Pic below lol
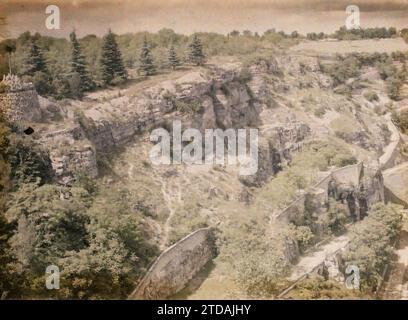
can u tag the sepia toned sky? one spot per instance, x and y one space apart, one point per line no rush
188 16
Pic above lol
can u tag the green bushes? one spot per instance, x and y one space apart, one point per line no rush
371 242
319 288
303 235
97 242
371 96
260 271
401 119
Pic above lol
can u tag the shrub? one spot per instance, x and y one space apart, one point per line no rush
371 239
371 96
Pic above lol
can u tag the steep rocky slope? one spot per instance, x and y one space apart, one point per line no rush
287 97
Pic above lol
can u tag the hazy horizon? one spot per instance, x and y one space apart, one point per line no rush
123 16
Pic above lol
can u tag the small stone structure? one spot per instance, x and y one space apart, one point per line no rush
356 185
19 100
176 266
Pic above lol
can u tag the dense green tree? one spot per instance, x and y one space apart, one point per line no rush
111 60
146 64
371 243
34 60
78 64
196 54
28 161
174 61
50 221
10 280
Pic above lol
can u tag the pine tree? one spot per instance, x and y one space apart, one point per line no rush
174 61
78 64
34 60
196 55
111 60
146 64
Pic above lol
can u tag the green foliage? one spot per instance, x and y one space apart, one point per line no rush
78 64
41 81
341 71
111 60
116 255
404 34
316 288
324 154
50 221
98 242
9 279
335 218
196 54
8 47
174 61
188 107
261 267
365 33
146 64
370 248
34 60
303 235
371 96
401 119
28 161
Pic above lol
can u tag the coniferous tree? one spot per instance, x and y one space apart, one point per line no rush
78 64
174 61
196 55
146 64
111 59
34 60
9 47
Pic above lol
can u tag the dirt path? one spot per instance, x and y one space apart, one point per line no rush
310 261
172 197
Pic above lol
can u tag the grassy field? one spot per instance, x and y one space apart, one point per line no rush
332 47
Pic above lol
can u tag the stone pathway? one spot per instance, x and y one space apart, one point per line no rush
310 261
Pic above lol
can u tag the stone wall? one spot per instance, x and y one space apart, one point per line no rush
350 176
392 151
19 100
176 266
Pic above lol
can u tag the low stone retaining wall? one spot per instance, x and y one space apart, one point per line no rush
349 175
176 266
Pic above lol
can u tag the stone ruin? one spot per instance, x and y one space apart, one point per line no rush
19 99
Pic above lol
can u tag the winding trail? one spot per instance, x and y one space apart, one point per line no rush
170 199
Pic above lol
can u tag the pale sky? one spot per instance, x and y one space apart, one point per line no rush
188 16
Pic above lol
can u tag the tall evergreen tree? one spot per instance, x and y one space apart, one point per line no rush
196 55
34 60
174 61
111 60
146 64
9 47
78 63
